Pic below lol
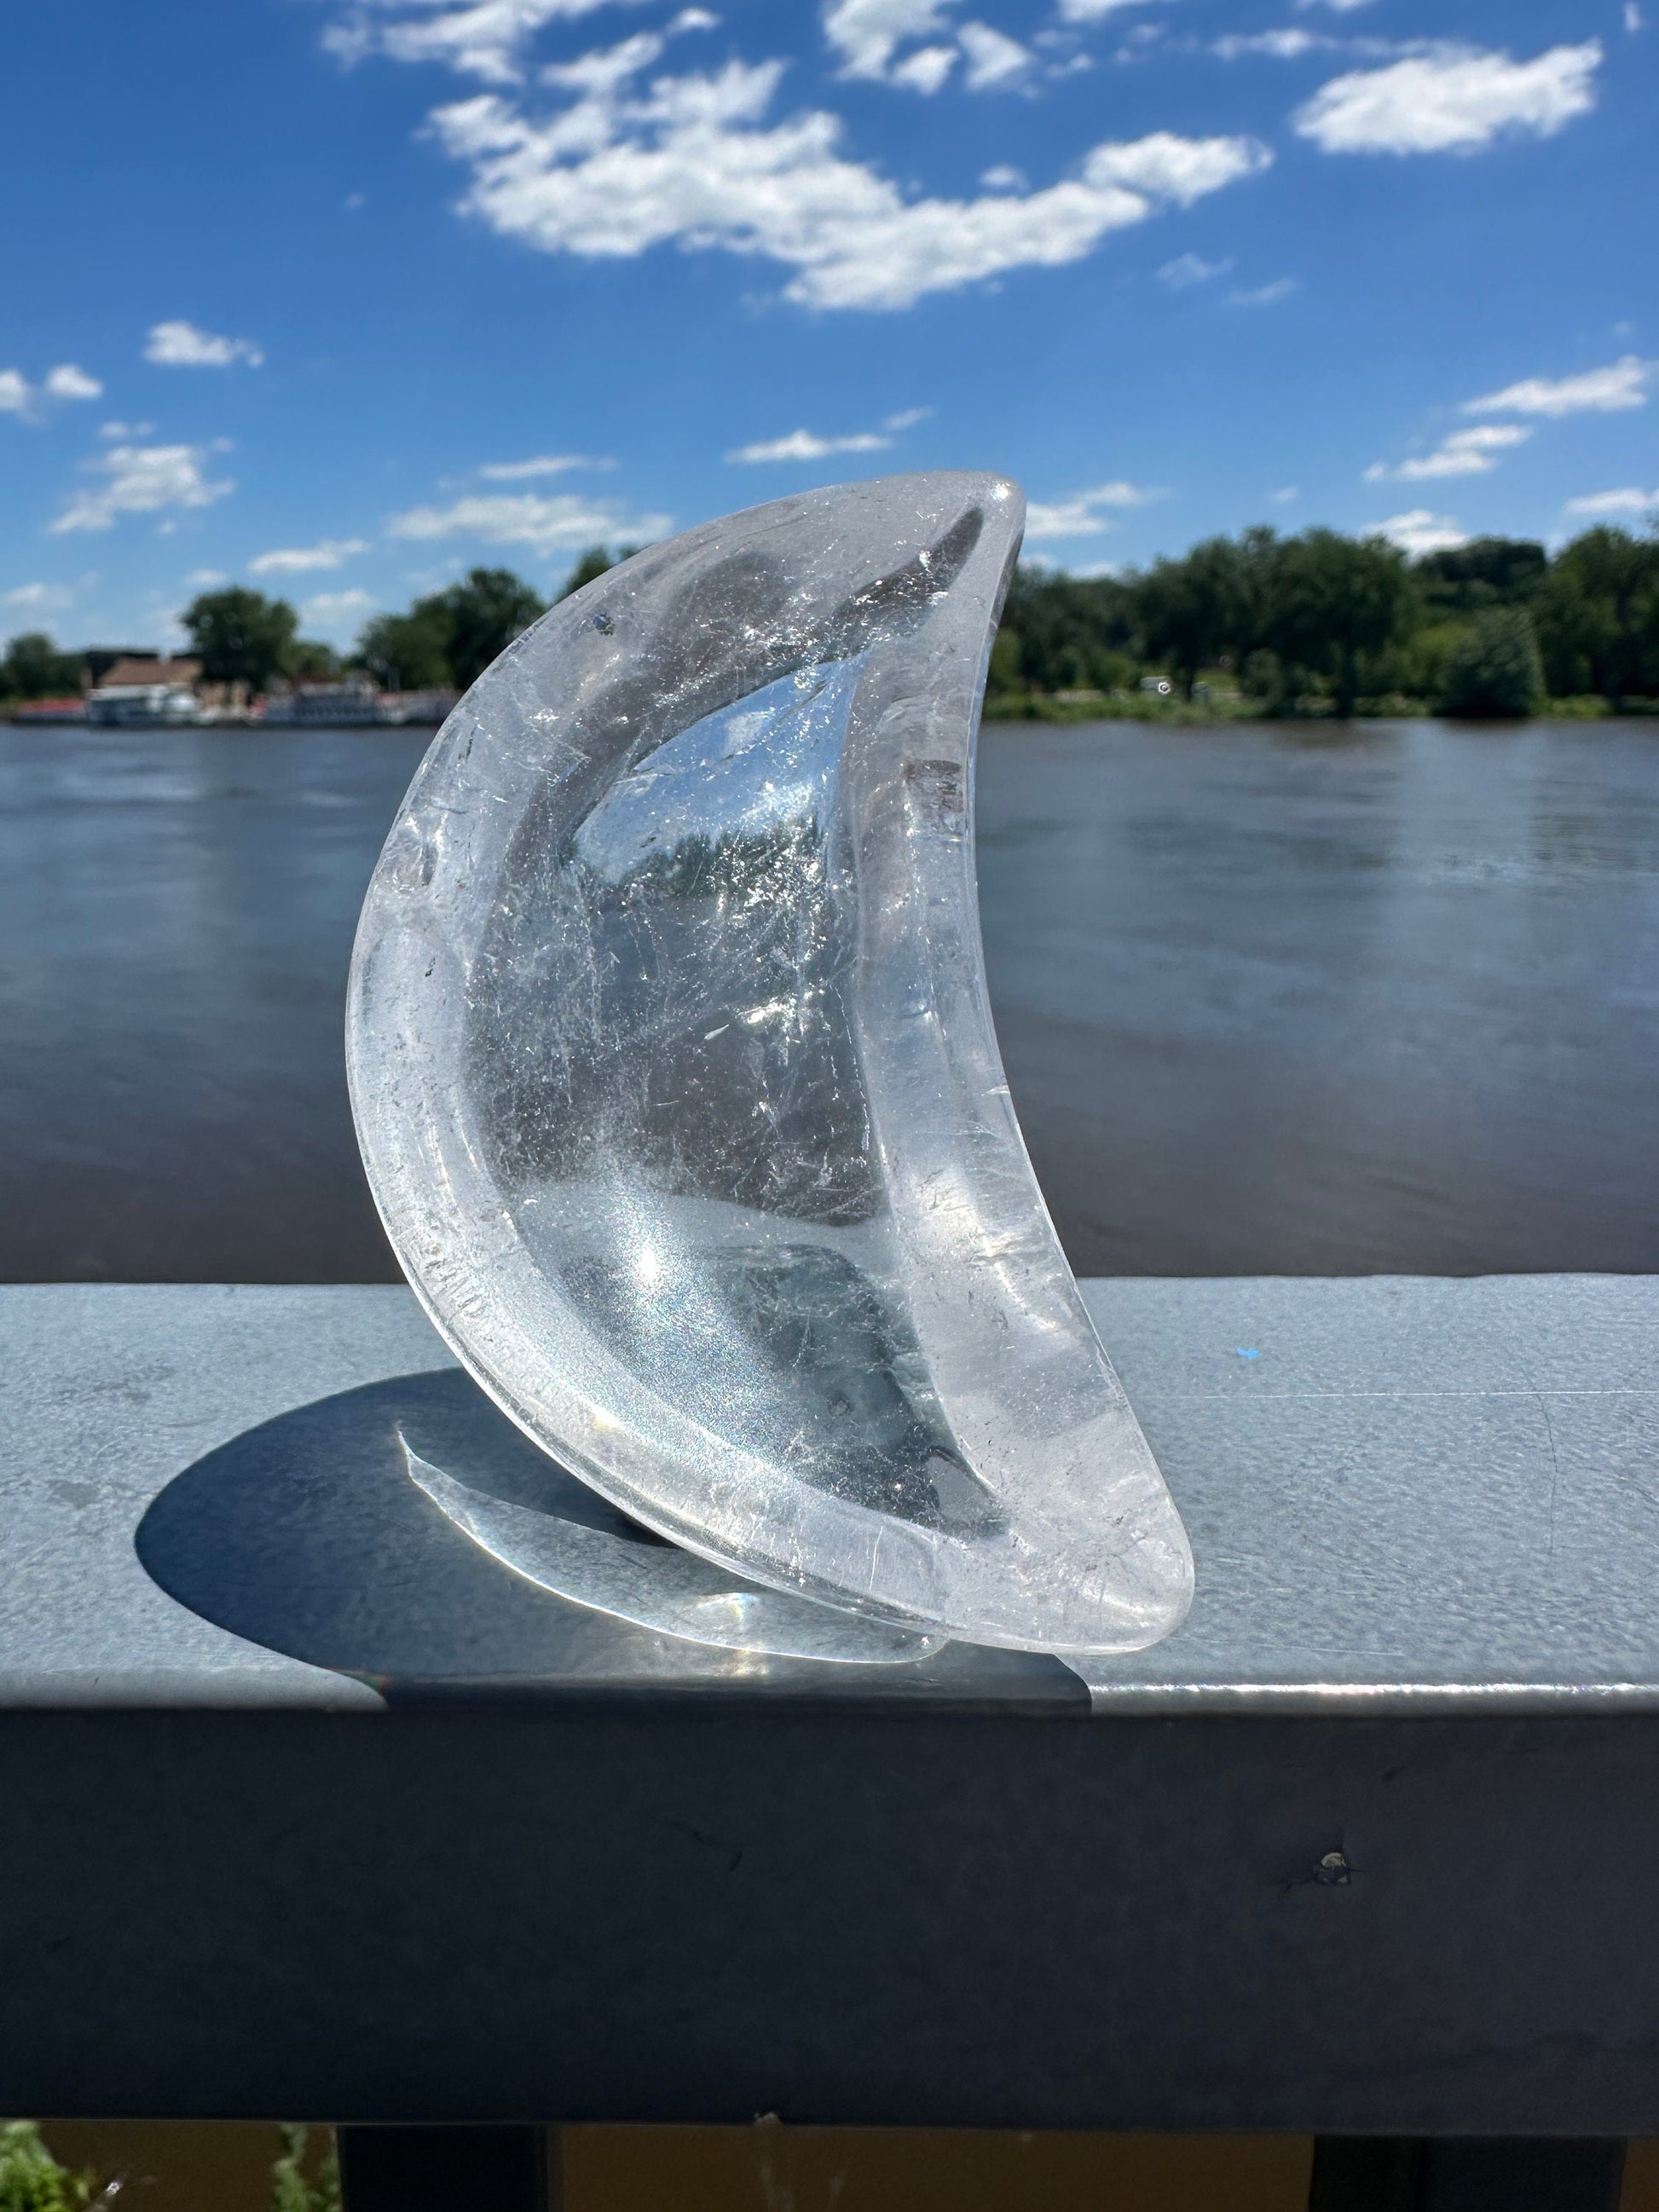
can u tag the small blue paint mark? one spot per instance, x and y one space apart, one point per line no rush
1248 1351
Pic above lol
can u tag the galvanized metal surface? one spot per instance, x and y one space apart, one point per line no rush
1404 1495
1366 1847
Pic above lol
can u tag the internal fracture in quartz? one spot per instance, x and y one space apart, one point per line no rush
675 1078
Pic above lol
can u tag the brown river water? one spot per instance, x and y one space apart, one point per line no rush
1273 999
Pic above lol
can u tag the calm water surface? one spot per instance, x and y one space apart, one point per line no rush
1272 1001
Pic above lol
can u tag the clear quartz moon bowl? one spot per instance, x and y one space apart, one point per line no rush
674 1074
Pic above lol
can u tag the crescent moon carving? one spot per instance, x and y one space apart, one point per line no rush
675 1078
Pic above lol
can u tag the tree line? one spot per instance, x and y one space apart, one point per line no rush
442 642
1315 622
1324 623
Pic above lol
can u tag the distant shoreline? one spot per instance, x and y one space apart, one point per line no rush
1207 713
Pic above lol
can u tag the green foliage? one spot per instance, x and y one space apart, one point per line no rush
294 2189
1598 617
410 651
485 614
450 637
1072 631
1487 571
1197 611
1494 669
1319 623
31 2179
597 561
33 668
312 660
241 636
1005 678
590 565
1329 600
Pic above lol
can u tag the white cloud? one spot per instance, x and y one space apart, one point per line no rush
1632 15
539 465
692 160
142 480
1452 99
1340 7
300 560
865 34
203 580
1631 500
1187 269
1076 516
126 429
1263 295
1420 531
807 446
181 345
1594 391
993 57
1092 11
1286 494
563 522
906 419
1286 46
1472 453
332 613
20 397
66 382
40 598
486 40
1003 178
924 70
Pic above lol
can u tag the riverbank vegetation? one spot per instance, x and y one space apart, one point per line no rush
1315 624
1324 624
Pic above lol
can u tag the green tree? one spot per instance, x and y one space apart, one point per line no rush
1494 669
31 2178
1005 678
486 612
240 637
294 2188
450 636
1598 619
33 668
1072 632
310 658
1205 607
590 567
1487 571
1330 601
597 561
410 652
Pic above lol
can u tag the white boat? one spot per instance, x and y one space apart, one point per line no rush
312 705
352 705
143 706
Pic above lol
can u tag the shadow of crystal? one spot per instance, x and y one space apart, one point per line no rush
308 1535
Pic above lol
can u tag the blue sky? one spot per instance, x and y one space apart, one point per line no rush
340 297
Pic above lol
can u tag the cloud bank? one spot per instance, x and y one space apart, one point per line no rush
142 480
181 345
601 163
1455 100
1621 384
561 523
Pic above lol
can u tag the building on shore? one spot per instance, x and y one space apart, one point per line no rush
143 706
352 702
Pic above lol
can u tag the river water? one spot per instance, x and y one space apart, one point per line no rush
1273 999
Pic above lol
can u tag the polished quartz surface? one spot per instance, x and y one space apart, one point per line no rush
673 1069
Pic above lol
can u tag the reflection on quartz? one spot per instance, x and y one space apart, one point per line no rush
673 1061
658 1586
735 1253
